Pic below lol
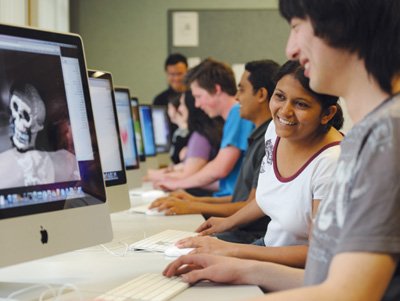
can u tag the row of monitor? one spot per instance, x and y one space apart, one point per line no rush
53 165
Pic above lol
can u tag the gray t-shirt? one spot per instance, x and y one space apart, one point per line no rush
362 209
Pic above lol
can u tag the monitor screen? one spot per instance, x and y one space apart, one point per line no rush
49 160
147 130
126 128
161 129
138 129
106 121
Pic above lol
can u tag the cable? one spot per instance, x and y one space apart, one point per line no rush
74 288
12 295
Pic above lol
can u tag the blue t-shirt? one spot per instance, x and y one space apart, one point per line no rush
235 133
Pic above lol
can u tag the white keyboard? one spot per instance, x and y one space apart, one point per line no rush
161 241
146 287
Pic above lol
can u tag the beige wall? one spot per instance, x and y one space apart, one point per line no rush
129 37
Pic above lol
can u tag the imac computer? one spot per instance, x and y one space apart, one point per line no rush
138 129
148 136
111 153
52 194
125 120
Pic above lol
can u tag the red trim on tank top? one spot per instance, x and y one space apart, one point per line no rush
291 178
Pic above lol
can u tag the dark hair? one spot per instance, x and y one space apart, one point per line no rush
297 71
262 75
174 59
369 28
211 72
210 128
174 100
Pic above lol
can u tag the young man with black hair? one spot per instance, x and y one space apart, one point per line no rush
255 89
349 48
175 67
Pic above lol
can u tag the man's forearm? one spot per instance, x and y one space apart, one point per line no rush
271 276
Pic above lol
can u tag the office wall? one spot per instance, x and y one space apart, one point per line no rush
130 37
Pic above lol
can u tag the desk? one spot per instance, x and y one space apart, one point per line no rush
94 271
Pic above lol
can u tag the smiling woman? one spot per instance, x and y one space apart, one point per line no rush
301 150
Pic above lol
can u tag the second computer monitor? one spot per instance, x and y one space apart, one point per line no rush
108 135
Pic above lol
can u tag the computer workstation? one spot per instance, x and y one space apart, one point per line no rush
52 196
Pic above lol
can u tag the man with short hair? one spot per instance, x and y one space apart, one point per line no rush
349 48
175 68
255 90
213 87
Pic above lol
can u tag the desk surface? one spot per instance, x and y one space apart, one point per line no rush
94 270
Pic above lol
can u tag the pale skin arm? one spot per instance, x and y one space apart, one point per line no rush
214 170
230 270
351 276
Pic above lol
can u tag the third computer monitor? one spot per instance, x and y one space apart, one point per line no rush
147 130
127 131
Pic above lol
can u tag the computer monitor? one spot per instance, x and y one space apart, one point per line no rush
138 129
147 130
111 154
161 129
52 194
125 120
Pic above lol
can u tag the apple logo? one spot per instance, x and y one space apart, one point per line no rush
44 235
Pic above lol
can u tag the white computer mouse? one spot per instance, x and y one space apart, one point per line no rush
174 251
153 194
154 211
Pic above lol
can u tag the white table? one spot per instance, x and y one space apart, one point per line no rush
94 270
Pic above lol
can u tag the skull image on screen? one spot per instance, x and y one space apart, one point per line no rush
28 113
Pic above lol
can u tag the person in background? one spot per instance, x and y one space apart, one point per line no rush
349 48
213 86
181 135
255 90
205 136
175 67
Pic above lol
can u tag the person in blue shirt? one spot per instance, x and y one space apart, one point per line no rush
214 88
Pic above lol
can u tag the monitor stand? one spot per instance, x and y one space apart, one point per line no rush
134 178
152 162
